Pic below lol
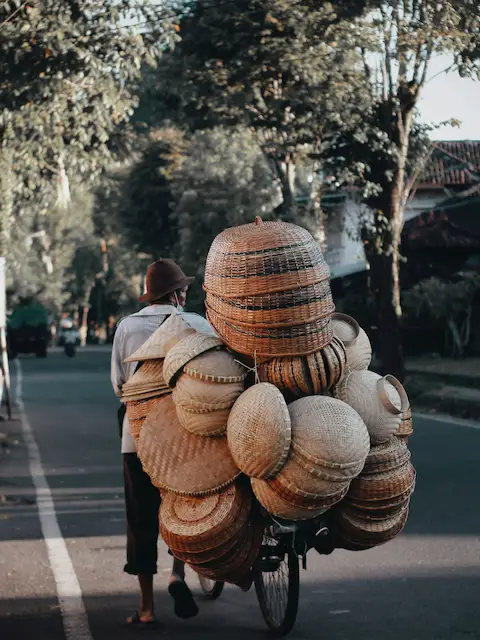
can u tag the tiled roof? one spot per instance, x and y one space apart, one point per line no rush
452 163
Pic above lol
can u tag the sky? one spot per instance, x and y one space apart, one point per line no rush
448 96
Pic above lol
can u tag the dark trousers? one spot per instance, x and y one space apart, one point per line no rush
142 502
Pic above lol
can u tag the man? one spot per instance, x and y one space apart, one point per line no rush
166 292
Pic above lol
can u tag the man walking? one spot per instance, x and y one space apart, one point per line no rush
166 292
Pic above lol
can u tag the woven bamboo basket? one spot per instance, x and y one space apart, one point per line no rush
357 534
177 460
282 307
217 366
288 374
308 501
198 395
140 409
259 431
383 486
146 395
213 423
195 525
357 345
272 342
261 258
328 437
386 457
185 350
380 401
326 366
212 555
150 373
405 429
378 508
278 506
136 427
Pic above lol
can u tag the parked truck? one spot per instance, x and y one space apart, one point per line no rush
28 330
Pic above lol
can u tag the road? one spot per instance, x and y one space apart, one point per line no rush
425 585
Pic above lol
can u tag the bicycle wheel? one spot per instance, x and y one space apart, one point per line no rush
277 584
211 588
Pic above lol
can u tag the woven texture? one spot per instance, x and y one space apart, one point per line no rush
140 409
355 533
147 382
278 506
154 347
179 461
216 366
199 395
386 456
185 350
357 344
259 431
382 486
405 429
136 427
328 437
362 391
263 257
213 423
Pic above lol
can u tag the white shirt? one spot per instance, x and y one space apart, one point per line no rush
131 333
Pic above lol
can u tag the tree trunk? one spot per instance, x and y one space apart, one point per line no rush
286 172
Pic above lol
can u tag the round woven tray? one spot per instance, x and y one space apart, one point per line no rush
283 307
405 429
263 257
386 456
259 431
280 507
213 423
382 486
185 350
274 342
328 437
195 525
179 461
216 366
357 345
199 395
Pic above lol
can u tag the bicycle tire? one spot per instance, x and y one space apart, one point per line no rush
279 622
211 589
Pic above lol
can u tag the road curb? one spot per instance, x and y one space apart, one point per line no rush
447 419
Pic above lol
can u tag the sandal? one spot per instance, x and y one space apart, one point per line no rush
138 623
185 605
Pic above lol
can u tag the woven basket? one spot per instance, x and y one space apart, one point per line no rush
150 373
405 430
185 350
263 257
357 344
380 401
328 437
136 427
146 395
295 479
287 374
212 555
387 456
356 533
179 461
213 423
308 501
326 366
272 342
199 524
382 486
280 308
216 366
278 506
201 396
140 409
259 431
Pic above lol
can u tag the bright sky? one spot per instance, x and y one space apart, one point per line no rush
449 96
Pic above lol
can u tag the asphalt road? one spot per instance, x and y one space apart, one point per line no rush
425 585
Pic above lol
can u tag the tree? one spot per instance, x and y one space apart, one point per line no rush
68 87
391 148
288 71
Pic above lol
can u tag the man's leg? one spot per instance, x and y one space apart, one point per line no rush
142 502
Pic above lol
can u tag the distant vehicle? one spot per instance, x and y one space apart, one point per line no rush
28 330
67 328
70 343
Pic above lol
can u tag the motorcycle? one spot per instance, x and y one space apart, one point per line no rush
69 345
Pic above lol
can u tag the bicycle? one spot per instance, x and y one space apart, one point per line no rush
276 571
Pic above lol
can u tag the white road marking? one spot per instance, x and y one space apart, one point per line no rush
69 593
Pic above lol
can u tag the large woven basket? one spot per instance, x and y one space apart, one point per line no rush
280 308
177 460
199 395
263 257
259 431
141 408
216 366
386 456
355 533
213 423
327 366
308 501
148 376
199 524
383 486
278 506
329 438
185 350
250 339
357 345
380 401
136 427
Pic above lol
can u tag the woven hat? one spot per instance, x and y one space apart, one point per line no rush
259 431
198 395
216 366
329 438
185 350
154 347
380 401
179 461
213 423
357 345
197 524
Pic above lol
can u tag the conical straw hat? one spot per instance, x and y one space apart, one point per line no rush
155 346
179 461
259 431
216 366
151 371
185 350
